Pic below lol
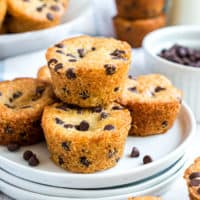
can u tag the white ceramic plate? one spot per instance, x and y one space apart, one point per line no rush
78 13
65 192
164 149
21 194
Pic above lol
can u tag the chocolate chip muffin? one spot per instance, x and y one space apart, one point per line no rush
153 102
29 15
3 9
145 198
192 177
88 71
133 31
85 140
21 105
139 9
44 74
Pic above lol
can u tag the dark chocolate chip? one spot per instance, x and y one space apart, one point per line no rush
111 153
17 95
8 130
58 66
110 69
60 52
135 152
195 182
116 89
40 90
66 146
194 175
118 54
70 55
117 160
83 126
97 109
159 88
108 127
132 89
68 126
84 95
0 93
60 160
103 115
84 161
54 8
59 45
72 60
59 121
81 53
52 61
25 107
164 124
71 74
93 48
27 155
62 107
39 9
117 108
50 17
33 161
9 106
13 147
147 159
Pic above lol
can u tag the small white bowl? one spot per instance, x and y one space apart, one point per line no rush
187 78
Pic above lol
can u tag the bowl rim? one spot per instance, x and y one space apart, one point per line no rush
146 44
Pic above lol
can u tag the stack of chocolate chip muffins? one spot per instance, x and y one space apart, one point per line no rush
136 18
86 104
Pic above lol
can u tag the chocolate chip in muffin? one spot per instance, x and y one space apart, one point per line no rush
27 155
103 115
59 121
25 107
17 95
97 109
117 108
195 182
8 130
110 69
9 106
68 126
50 17
132 89
54 8
13 147
83 126
72 60
159 88
63 106
84 161
147 159
38 93
135 152
66 145
60 52
164 124
109 127
81 53
116 89
58 66
59 45
118 54
93 48
194 175
111 153
84 95
71 74
60 160
0 93
52 61
70 55
117 159
33 161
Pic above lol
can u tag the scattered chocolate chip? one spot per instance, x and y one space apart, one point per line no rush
58 66
159 88
9 106
116 89
81 53
62 107
59 121
117 160
110 69
59 45
33 161
25 107
93 48
108 127
70 55
54 8
39 9
117 108
195 182
66 146
40 90
83 126
132 89
17 95
13 147
60 52
68 126
130 77
52 61
72 60
84 95
60 160
27 155
71 74
97 109
194 175
0 93
111 153
118 54
164 124
135 152
50 17
147 159
103 115
8 130
84 161
66 91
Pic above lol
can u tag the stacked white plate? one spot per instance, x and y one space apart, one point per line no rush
129 178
